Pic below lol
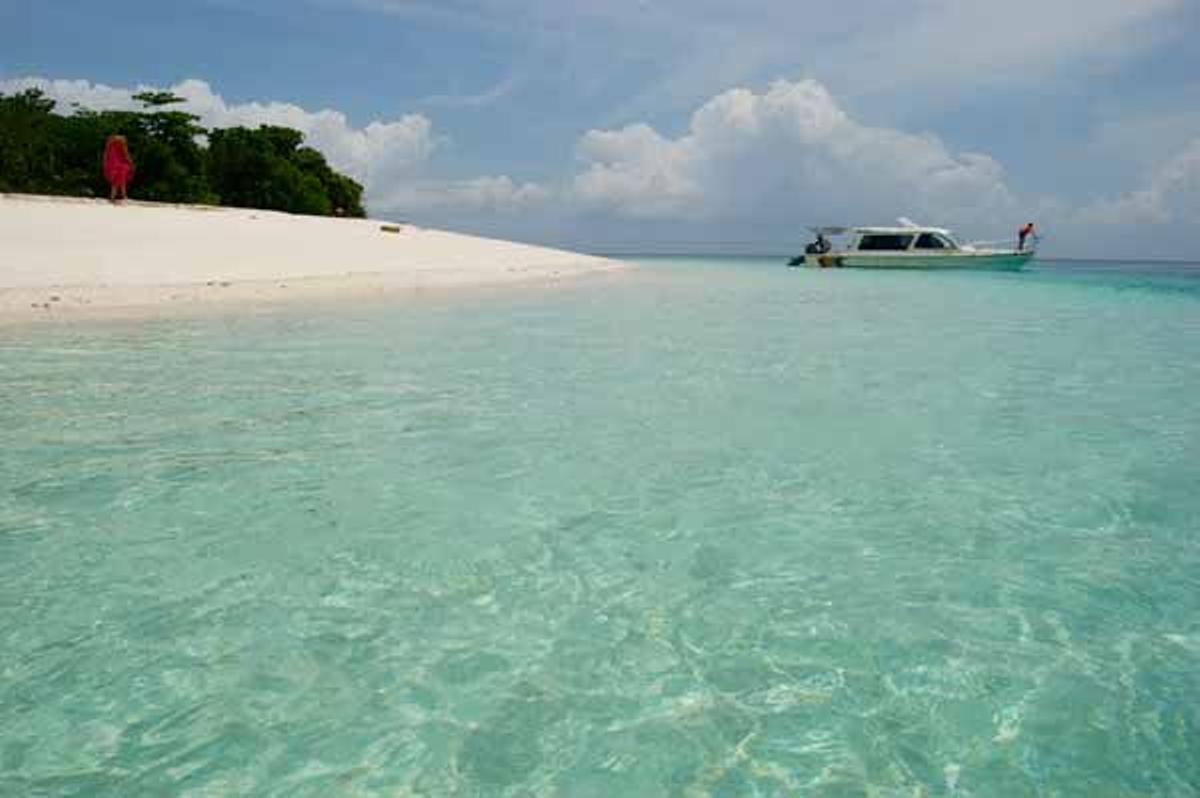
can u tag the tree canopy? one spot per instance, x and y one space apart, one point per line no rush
177 160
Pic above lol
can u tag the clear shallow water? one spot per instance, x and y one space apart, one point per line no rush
717 527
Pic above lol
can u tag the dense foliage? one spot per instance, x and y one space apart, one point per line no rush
42 152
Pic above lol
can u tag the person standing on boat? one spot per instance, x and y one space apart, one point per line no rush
1025 232
118 167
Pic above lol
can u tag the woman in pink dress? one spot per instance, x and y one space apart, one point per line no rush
118 166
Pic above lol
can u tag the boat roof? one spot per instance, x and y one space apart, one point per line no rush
906 230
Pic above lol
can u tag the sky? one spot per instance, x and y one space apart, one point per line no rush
685 125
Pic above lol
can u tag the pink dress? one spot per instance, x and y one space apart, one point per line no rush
118 167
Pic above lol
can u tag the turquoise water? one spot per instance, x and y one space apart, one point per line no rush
714 527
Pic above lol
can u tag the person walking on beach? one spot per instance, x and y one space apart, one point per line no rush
1025 232
118 167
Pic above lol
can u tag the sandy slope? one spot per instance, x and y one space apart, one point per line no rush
69 258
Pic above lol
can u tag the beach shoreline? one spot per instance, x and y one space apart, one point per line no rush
57 305
74 259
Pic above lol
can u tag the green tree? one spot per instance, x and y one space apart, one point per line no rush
155 99
29 132
345 195
268 167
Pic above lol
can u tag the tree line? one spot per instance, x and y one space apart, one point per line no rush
43 152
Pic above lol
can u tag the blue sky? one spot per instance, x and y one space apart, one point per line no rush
617 123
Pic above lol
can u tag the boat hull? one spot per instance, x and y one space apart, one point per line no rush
1002 261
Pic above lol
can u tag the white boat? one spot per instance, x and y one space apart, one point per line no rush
909 246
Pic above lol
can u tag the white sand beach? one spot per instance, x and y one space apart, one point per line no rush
67 258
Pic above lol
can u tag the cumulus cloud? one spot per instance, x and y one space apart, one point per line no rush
1172 194
639 172
786 153
77 93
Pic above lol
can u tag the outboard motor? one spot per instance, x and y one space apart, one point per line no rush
818 247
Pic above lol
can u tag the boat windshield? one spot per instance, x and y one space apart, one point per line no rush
934 241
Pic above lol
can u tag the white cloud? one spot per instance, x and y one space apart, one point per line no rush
637 171
481 99
81 93
1171 195
374 154
490 194
789 153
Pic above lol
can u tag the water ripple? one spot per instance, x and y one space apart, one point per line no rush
730 530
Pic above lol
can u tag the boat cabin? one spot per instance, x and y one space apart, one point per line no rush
901 239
